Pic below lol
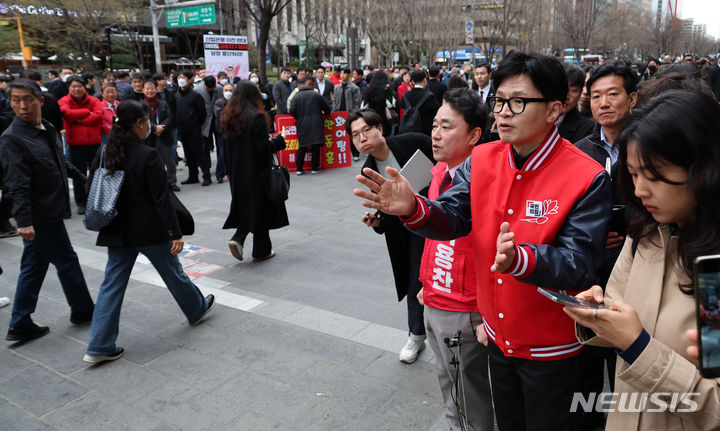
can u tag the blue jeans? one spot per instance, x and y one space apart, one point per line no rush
106 318
50 245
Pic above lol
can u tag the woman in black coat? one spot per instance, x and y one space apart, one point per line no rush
381 99
147 223
248 152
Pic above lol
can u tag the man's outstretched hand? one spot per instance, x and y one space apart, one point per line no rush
393 197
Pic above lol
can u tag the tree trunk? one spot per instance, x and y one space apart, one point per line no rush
263 35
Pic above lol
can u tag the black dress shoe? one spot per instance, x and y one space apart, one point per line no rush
81 210
26 333
220 180
80 318
174 188
190 181
206 182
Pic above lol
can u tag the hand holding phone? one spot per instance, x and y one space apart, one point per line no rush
571 301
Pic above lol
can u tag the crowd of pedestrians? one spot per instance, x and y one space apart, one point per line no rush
579 178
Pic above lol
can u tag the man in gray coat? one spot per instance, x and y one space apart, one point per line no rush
210 92
347 98
308 107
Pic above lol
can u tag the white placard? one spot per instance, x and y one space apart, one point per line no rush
223 51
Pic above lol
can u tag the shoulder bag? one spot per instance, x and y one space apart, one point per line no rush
102 198
277 181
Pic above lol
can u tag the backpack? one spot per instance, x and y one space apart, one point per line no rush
411 120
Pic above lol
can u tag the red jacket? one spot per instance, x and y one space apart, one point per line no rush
83 120
447 270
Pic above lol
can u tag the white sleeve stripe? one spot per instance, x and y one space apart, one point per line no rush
525 260
519 260
420 216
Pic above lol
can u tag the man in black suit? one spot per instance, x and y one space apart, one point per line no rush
571 125
308 108
58 87
421 100
713 79
323 85
404 247
435 85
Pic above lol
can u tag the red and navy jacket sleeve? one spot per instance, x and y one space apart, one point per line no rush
448 217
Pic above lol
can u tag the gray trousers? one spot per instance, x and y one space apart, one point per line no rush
167 154
474 396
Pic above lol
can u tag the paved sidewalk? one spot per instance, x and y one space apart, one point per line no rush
305 341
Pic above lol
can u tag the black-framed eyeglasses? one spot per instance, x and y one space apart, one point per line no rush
516 104
356 135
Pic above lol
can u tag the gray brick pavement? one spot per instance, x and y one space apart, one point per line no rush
305 341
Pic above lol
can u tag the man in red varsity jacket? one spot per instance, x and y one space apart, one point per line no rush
551 205
447 273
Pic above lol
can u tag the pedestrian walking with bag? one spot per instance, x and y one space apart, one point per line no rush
249 156
146 222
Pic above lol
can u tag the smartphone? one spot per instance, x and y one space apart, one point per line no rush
706 277
568 300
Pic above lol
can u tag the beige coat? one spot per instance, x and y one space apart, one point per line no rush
649 282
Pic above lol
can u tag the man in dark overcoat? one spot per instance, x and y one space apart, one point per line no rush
308 108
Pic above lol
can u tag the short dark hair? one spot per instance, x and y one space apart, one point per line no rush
358 70
653 59
309 79
159 77
433 71
87 75
404 67
75 78
371 118
189 74
467 102
417 76
347 70
219 74
338 68
25 84
135 76
321 67
123 74
32 75
618 69
53 72
150 81
285 69
108 73
546 73
65 66
210 82
485 65
576 76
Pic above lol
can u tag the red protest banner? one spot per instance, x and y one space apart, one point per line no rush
335 151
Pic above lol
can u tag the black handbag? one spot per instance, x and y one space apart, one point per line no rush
185 219
277 182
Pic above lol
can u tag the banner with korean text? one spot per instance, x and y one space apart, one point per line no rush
335 151
223 51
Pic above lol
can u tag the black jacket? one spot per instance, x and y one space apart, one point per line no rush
169 97
592 146
713 80
51 111
404 247
134 95
190 109
574 127
57 88
308 106
35 173
281 91
437 87
247 157
164 118
145 215
327 91
427 110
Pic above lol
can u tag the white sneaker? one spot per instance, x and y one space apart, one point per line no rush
410 352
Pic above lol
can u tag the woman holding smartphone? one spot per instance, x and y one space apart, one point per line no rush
670 175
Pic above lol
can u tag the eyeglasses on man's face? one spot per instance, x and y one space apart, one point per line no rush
515 104
364 132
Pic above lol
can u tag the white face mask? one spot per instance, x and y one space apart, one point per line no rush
182 82
223 81
254 80
65 78
227 94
